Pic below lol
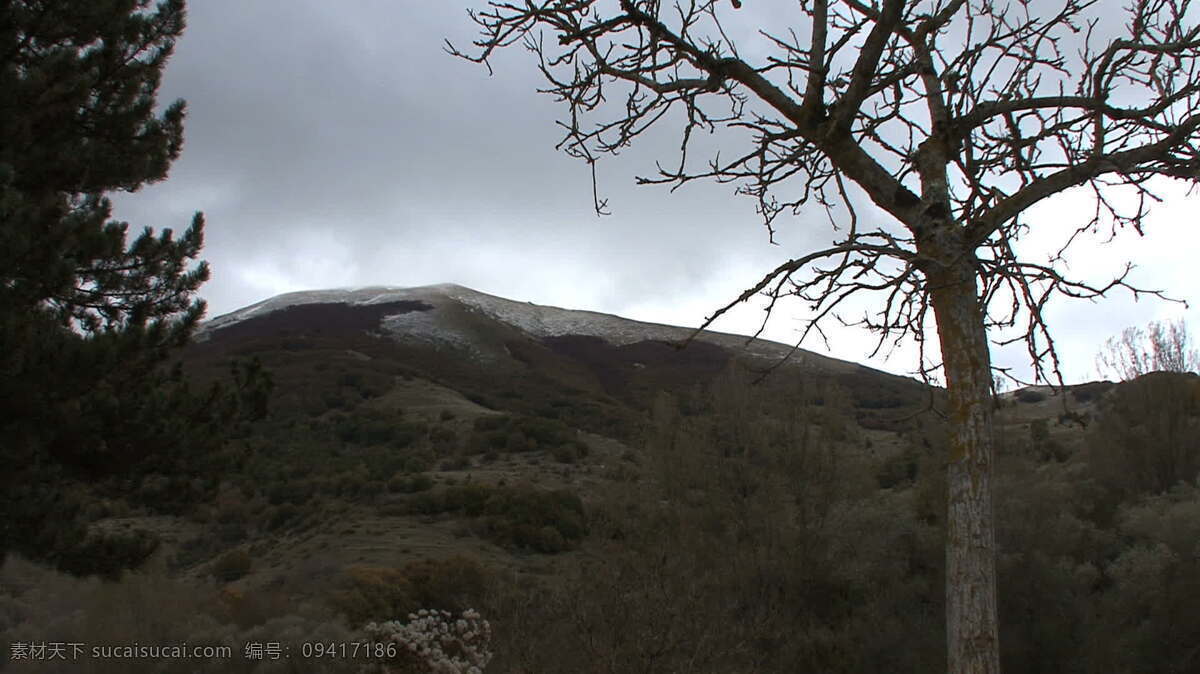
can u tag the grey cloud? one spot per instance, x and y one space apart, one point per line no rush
338 144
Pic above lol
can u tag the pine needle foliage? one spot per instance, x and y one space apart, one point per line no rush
89 318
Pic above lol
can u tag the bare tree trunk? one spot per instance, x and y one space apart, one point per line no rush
971 623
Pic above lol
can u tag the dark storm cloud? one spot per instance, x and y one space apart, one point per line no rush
334 144
338 143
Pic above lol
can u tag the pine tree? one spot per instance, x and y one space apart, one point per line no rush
87 318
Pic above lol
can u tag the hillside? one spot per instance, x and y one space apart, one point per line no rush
612 502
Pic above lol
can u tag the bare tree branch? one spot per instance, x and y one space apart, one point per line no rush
952 117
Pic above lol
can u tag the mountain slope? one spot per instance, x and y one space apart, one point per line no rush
599 352
579 480
426 313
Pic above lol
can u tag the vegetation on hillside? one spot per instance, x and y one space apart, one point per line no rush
947 121
89 321
740 537
608 509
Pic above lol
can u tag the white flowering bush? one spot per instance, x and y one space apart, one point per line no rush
443 643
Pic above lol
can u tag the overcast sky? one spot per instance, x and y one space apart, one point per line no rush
337 144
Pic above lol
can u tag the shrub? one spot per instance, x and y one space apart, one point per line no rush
546 522
438 641
1044 447
569 452
453 583
545 432
108 553
527 518
418 462
460 462
1090 391
350 484
880 402
334 400
230 533
443 439
1027 395
153 608
491 422
516 442
282 516
368 384
898 470
407 433
409 484
232 566
480 399
1147 440
368 592
295 492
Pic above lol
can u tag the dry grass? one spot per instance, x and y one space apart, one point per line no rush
149 608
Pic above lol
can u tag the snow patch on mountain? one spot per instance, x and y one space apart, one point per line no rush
548 321
539 321
364 295
536 320
428 327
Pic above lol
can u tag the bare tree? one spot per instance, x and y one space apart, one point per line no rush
1161 347
926 129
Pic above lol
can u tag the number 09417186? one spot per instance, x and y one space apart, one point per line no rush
348 649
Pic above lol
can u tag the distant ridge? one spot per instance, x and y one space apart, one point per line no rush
537 321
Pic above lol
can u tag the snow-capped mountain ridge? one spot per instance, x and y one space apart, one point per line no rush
538 321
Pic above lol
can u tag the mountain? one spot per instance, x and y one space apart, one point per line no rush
473 339
611 502
433 313
441 314
388 400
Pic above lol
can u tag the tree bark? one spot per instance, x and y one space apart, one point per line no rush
973 644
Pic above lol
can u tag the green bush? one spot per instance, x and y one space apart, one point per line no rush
108 553
296 492
370 593
569 452
491 422
514 442
459 462
367 384
545 433
1044 447
418 462
1027 395
350 484
407 433
367 593
443 439
546 522
453 584
514 517
409 484
1147 440
897 471
1091 391
232 566
230 533
480 399
281 516
334 400
880 402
